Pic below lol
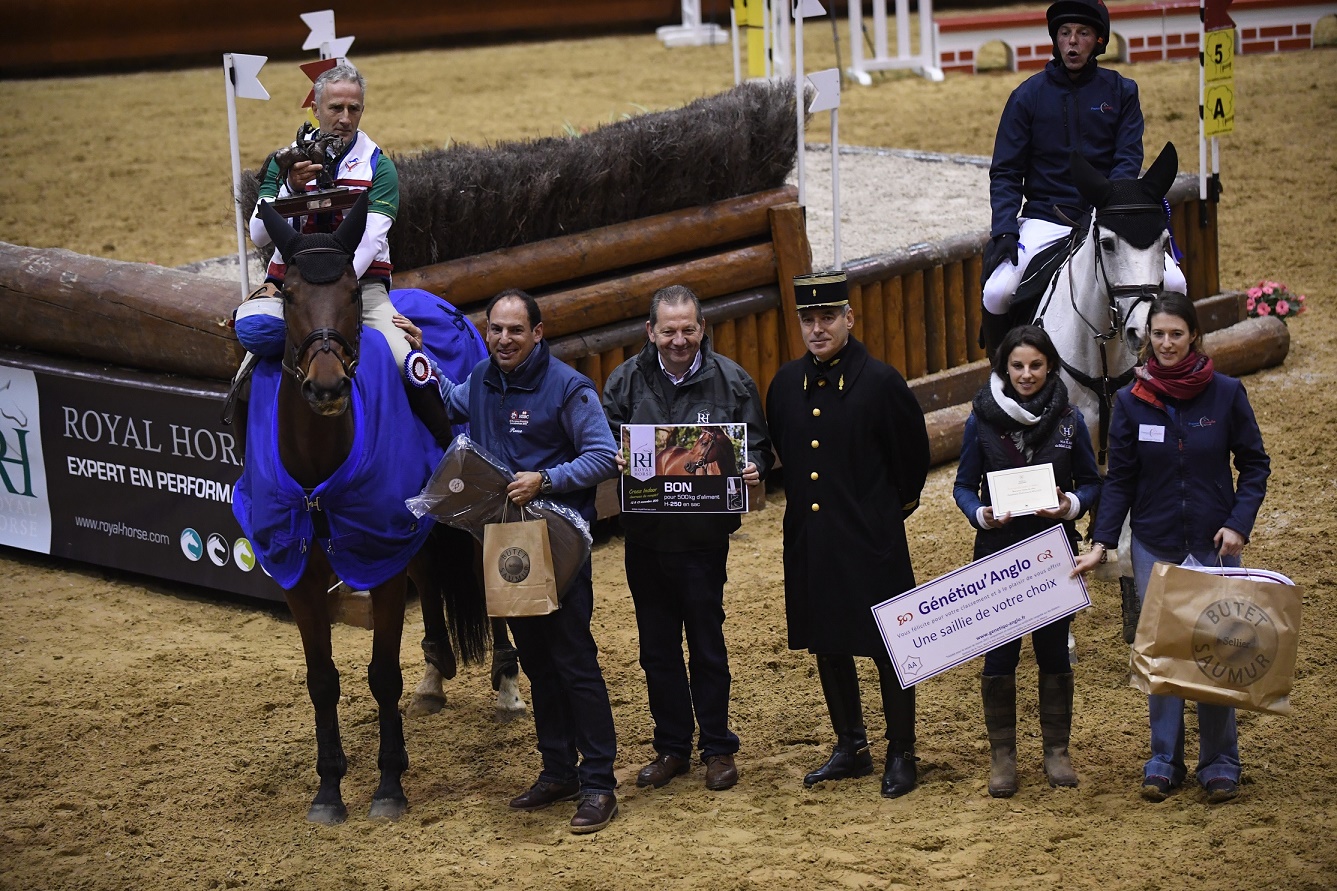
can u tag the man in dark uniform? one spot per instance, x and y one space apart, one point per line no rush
852 441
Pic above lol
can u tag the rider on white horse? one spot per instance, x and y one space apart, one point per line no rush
1072 105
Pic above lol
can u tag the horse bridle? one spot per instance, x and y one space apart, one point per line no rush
1105 386
694 466
325 337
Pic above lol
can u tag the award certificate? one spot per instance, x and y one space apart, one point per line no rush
1021 491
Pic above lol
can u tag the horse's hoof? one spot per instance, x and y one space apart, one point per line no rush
327 814
390 809
509 704
426 704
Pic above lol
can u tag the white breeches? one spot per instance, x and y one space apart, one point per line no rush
1034 237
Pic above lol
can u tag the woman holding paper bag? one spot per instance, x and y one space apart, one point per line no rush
1022 418
1172 434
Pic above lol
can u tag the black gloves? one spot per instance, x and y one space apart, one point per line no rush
1000 247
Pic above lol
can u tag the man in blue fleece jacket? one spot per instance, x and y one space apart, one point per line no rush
544 420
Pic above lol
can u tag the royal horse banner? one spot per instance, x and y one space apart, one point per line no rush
982 605
122 469
684 468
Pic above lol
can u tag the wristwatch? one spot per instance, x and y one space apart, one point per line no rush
1104 552
545 483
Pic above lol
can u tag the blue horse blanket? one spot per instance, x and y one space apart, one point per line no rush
372 535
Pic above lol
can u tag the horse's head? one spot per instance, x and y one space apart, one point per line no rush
322 306
1131 235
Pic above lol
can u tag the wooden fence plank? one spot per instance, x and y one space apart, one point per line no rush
935 319
974 307
856 304
875 326
793 256
954 305
768 348
916 342
893 319
724 338
745 334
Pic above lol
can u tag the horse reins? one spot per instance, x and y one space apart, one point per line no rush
326 337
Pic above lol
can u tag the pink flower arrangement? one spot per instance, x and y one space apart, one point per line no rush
1273 298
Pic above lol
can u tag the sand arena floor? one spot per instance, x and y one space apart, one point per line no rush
159 738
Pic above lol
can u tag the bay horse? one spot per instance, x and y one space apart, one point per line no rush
318 441
1096 306
711 455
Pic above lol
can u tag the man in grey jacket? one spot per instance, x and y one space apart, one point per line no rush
676 564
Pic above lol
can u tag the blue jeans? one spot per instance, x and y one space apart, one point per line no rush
677 591
1218 743
571 709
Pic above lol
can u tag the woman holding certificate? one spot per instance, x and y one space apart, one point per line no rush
1027 450
1172 435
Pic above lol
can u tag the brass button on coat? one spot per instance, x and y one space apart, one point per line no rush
814 474
816 412
814 443
816 507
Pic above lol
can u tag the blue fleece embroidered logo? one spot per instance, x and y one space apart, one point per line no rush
1202 422
520 418
1102 107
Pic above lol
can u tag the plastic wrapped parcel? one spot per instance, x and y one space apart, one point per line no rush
468 490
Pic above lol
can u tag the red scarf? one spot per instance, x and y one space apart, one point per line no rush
1183 380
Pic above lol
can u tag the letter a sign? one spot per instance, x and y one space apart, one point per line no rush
1218 113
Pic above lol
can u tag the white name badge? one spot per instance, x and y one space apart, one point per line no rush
969 611
1150 433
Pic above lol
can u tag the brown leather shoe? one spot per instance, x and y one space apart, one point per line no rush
544 794
661 770
595 812
721 772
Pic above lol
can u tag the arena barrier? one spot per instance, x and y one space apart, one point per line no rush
1147 32
133 468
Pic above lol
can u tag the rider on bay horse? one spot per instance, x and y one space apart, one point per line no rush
1072 105
356 163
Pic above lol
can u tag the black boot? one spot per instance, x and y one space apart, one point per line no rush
427 405
840 686
899 774
1132 608
993 328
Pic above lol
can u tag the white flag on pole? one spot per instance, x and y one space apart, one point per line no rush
322 28
809 9
247 72
826 90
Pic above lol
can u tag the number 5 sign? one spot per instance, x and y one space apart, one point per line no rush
1218 58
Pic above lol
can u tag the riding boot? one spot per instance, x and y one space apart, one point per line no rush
993 328
899 774
840 686
999 694
1056 727
1132 607
427 405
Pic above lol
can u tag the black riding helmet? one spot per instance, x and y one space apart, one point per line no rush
1086 12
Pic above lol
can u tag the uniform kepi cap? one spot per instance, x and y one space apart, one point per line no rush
821 289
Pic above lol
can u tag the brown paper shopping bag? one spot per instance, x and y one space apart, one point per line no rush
1225 640
517 568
